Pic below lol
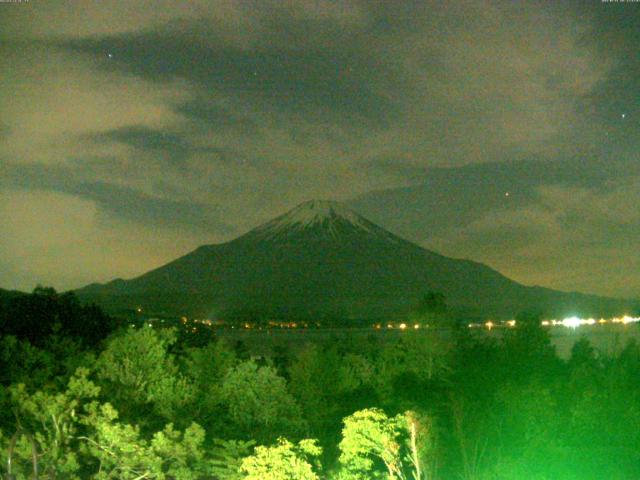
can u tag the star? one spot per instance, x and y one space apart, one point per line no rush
624 115
110 55
506 194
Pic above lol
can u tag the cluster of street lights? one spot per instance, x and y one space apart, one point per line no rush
575 322
569 322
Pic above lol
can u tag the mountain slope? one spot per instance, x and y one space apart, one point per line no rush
530 234
323 259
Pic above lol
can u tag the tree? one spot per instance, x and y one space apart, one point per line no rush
123 453
371 439
313 383
45 312
51 419
404 366
76 436
21 362
258 403
205 368
283 461
227 457
605 413
329 385
432 308
527 349
138 371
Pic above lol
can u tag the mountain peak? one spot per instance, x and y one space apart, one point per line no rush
326 215
323 259
314 211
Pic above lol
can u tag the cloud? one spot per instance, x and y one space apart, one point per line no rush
448 197
173 148
212 116
144 138
50 99
5 131
216 115
567 225
117 201
145 209
51 19
62 240
424 84
318 79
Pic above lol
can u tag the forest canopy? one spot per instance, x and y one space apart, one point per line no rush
85 396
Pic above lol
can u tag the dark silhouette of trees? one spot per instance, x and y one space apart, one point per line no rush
433 303
45 312
432 309
527 349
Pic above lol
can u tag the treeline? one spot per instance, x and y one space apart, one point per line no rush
84 397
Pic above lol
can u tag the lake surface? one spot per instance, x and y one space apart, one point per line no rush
606 339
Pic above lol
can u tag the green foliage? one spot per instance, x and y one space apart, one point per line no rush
139 372
604 413
145 406
405 365
122 453
205 368
78 437
52 420
329 385
36 365
283 461
258 402
527 349
371 440
527 415
227 457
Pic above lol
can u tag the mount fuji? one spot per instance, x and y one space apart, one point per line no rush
322 260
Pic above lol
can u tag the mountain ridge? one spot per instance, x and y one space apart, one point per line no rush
323 259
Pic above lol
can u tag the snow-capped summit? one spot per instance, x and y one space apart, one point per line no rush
314 211
322 260
326 217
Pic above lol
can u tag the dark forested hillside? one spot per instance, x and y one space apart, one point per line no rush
45 312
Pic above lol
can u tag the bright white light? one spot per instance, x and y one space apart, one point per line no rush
572 322
403 326
575 322
627 319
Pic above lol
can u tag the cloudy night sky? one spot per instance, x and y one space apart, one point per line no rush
504 132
